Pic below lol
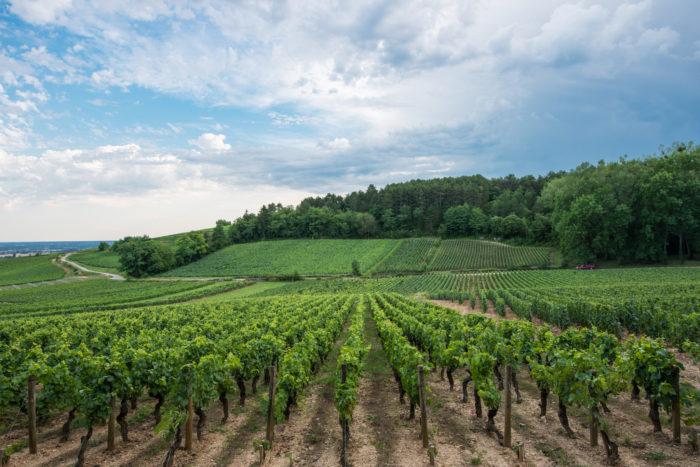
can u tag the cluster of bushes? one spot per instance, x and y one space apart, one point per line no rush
143 256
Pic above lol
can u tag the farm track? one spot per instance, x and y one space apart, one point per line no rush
108 275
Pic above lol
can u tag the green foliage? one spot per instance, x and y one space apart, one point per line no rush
141 256
190 247
219 236
403 357
356 271
629 210
300 360
28 269
352 355
175 352
652 366
103 246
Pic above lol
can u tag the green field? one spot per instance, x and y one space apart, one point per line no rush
103 294
29 269
307 257
105 260
466 254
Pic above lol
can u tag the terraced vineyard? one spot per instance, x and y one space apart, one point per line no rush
285 257
28 269
102 294
465 254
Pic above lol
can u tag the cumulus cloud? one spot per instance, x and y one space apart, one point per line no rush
209 142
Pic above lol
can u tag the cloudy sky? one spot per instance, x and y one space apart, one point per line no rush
161 116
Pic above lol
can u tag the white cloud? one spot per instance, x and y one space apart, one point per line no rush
336 144
41 11
209 142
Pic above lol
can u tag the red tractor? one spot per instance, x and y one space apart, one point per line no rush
586 266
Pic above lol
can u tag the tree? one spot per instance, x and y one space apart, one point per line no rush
366 225
514 226
457 221
103 246
141 256
190 247
219 239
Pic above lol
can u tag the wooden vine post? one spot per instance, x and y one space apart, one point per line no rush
270 433
423 409
261 452
520 446
508 405
344 423
31 407
594 429
188 425
111 426
676 405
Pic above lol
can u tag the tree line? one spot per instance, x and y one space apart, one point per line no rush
631 210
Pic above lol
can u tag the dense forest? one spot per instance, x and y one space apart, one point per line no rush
633 210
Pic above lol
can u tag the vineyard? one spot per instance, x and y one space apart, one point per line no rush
107 260
28 269
658 302
380 354
335 257
464 254
411 255
102 294
285 257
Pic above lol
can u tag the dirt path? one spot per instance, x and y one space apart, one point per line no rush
108 275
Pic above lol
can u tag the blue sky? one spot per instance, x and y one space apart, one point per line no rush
155 116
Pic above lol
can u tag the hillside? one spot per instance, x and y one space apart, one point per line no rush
465 254
102 260
307 257
29 269
332 257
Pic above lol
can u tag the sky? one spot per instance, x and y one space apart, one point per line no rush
161 116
